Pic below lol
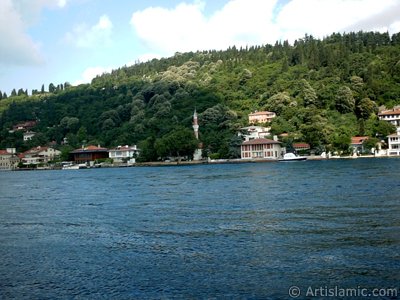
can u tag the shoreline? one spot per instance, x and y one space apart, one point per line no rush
203 162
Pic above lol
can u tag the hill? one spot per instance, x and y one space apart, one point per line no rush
323 91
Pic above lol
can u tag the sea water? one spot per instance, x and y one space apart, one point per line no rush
240 231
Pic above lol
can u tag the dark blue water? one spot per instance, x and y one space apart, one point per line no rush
246 231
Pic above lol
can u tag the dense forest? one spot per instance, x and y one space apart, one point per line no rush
323 91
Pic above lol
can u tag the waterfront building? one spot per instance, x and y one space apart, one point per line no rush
89 154
261 117
357 143
392 116
125 153
261 149
8 159
39 155
394 143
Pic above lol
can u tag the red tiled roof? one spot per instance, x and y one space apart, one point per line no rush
36 150
389 112
393 135
358 139
301 145
4 152
90 148
260 141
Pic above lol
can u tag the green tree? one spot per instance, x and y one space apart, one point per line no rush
52 88
308 93
70 124
345 102
365 108
341 141
147 150
378 128
370 143
278 102
179 142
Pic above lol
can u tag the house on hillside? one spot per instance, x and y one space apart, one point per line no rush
8 159
301 146
28 135
261 149
24 126
392 116
261 117
125 153
254 132
89 154
39 155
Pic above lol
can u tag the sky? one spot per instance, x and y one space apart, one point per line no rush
58 41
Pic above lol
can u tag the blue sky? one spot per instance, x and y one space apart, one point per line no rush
54 41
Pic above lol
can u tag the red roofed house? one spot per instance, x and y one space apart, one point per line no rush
261 117
392 116
301 146
39 155
261 148
89 153
8 159
357 143
27 125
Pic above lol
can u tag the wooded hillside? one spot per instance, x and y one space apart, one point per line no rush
323 91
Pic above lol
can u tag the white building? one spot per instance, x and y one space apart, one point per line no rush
394 143
254 132
125 153
8 159
261 117
261 149
28 135
39 155
392 116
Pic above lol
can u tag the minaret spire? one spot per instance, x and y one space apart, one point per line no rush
195 125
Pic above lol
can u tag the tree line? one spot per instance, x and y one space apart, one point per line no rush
323 91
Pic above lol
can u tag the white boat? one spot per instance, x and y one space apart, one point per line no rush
292 157
74 167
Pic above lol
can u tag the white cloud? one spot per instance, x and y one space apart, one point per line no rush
90 73
17 47
186 27
61 3
83 36
322 17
